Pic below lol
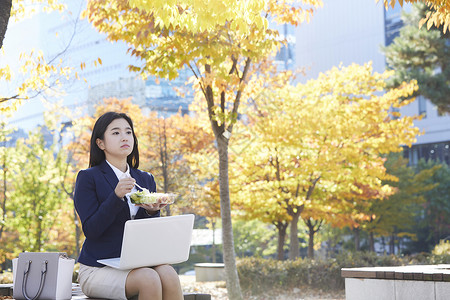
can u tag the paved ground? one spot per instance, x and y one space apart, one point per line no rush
218 291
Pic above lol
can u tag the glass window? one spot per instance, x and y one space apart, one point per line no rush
437 151
446 153
422 106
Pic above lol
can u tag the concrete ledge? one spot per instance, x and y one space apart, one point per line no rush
209 272
412 272
425 282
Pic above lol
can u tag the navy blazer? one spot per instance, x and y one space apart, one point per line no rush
102 213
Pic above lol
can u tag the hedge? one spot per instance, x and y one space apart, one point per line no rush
258 275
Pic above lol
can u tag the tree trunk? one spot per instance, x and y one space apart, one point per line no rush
5 13
392 244
371 242
313 227
233 286
295 212
357 232
213 242
294 251
164 160
39 242
282 227
222 135
3 217
311 242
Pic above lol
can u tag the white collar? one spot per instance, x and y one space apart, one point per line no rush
133 208
119 173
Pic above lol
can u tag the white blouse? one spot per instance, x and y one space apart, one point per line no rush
126 174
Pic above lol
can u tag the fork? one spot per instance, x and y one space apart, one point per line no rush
137 185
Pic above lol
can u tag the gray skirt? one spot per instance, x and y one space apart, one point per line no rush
104 282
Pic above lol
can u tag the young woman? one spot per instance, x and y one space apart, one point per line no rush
103 206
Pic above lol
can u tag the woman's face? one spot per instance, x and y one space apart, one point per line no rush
118 140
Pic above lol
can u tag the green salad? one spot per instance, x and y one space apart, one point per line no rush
145 197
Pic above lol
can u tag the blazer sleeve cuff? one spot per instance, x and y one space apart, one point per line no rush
157 214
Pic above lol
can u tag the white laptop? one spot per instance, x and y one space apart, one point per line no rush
154 241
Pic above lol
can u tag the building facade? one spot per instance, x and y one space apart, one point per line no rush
345 32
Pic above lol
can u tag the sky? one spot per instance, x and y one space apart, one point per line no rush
23 36
52 33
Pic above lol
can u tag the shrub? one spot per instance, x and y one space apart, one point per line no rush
441 253
259 275
368 259
6 277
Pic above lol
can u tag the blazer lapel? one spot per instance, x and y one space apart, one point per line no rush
136 177
113 180
109 174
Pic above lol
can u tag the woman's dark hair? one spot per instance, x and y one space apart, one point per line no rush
96 155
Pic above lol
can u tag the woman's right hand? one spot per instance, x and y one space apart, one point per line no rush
124 186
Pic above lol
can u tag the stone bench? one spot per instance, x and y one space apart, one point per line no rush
77 294
425 282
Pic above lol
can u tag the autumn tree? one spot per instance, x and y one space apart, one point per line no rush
36 74
18 9
204 163
325 139
164 144
7 154
259 175
160 154
356 213
423 55
218 42
202 191
170 141
22 161
35 197
432 223
394 215
257 190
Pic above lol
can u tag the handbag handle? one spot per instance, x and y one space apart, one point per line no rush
25 278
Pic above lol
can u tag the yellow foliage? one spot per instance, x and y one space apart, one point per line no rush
204 15
439 16
22 9
314 144
35 74
217 40
37 77
443 248
286 11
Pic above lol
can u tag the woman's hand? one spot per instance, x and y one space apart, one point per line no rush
152 208
124 186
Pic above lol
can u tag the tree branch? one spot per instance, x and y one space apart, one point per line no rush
239 93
